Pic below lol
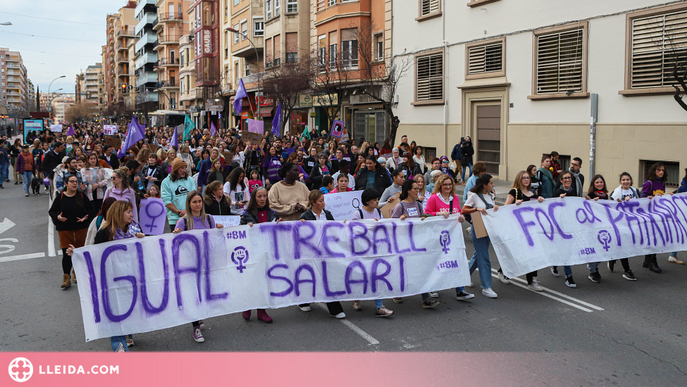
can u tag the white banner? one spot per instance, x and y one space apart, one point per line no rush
110 130
228 220
343 205
56 128
141 285
575 231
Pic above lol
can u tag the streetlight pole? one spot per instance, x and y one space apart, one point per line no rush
6 24
257 59
61 76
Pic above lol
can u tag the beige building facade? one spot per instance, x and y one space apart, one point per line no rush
520 83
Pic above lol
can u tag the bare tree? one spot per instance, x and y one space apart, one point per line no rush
77 113
287 82
380 74
332 72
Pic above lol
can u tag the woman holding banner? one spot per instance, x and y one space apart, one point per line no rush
522 192
370 201
563 191
317 212
195 219
481 199
410 207
119 224
258 211
623 193
654 185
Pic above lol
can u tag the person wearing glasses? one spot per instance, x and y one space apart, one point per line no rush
566 189
577 178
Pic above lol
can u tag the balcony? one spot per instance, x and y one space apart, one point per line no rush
166 62
145 39
167 17
171 84
169 38
148 19
190 95
144 4
146 78
121 60
150 57
120 47
127 32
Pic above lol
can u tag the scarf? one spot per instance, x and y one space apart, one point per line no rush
131 232
578 183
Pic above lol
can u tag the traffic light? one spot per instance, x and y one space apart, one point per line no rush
123 88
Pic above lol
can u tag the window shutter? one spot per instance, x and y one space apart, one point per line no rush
430 77
657 42
429 7
484 59
559 62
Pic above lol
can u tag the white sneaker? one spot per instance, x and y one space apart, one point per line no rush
535 286
121 348
340 315
304 308
468 231
434 294
503 278
487 292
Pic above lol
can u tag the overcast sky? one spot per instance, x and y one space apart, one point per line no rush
49 54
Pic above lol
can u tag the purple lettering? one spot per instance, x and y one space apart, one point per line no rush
552 207
326 238
376 242
614 222
206 257
276 277
393 231
349 272
297 281
325 281
374 276
274 230
523 224
538 212
178 271
359 236
147 306
299 240
412 240
103 283
403 273
94 286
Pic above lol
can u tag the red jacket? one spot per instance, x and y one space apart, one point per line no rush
23 165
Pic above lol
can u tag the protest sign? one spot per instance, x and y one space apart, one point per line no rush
139 285
253 138
152 216
342 205
227 221
255 126
110 130
574 231
114 142
388 208
56 128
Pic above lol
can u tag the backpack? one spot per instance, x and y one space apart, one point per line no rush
360 212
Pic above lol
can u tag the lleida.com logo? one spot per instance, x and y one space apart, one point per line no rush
20 369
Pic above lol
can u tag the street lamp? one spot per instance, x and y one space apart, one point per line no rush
257 59
61 76
6 24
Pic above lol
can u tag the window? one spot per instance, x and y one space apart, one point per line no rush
321 4
485 59
430 77
182 58
379 47
429 9
277 50
268 52
236 34
331 2
560 61
672 170
277 7
291 47
656 45
291 6
333 49
236 2
247 69
244 30
322 51
349 48
268 9
258 27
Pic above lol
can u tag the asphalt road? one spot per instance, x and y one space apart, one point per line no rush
616 332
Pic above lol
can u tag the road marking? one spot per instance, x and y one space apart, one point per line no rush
21 257
9 248
354 328
523 284
51 238
6 225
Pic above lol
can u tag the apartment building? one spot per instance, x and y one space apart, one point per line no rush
31 99
13 81
124 32
60 104
520 80
79 87
172 23
352 42
146 57
188 97
102 86
132 90
109 63
92 87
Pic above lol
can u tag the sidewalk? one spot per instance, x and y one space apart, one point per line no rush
500 186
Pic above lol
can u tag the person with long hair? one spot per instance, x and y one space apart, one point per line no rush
466 152
217 172
70 213
258 211
624 192
423 195
97 220
96 181
481 199
534 182
316 211
289 197
121 190
654 185
195 218
410 207
477 170
118 224
419 158
238 190
174 190
322 168
216 202
521 192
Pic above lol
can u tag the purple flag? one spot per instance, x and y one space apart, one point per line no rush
240 95
70 132
213 129
276 122
175 138
134 134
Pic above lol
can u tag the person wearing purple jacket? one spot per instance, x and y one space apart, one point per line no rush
271 164
654 185
121 190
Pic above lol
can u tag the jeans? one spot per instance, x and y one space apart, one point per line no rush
4 171
116 340
481 259
26 180
568 271
378 304
468 165
593 266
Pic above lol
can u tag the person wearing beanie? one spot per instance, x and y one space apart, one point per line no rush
175 187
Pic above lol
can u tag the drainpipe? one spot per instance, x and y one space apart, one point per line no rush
446 77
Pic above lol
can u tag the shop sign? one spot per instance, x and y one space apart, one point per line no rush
304 101
326 100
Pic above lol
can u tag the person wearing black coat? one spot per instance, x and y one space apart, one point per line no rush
52 159
382 180
466 152
215 201
152 170
317 212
